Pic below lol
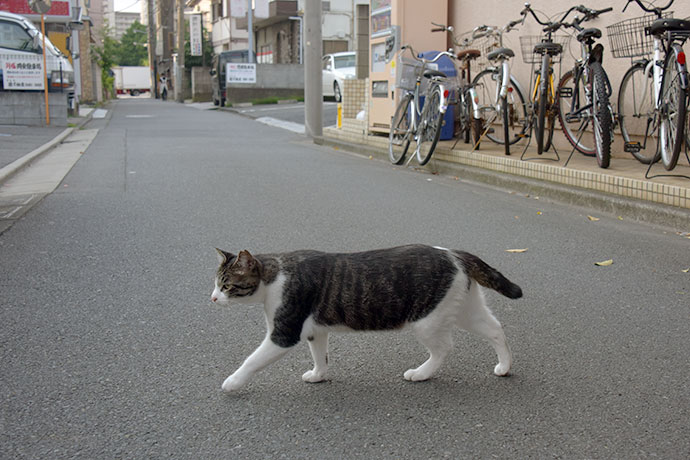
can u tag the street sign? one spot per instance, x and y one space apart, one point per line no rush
21 71
195 34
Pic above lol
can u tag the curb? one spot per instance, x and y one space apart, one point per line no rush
642 211
9 171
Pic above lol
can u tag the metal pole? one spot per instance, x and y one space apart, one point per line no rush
313 90
45 69
152 49
250 31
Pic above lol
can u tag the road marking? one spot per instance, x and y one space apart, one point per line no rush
290 126
99 113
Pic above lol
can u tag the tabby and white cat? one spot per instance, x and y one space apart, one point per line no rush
307 294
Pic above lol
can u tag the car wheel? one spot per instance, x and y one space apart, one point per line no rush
336 92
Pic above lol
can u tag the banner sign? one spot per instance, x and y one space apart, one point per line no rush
22 71
240 73
195 34
59 10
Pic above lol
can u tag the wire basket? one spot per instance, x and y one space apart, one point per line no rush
528 42
484 45
406 73
628 38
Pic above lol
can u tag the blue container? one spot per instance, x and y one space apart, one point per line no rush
445 65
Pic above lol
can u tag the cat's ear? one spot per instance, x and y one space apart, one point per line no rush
223 256
245 260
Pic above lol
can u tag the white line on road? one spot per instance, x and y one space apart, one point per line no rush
290 126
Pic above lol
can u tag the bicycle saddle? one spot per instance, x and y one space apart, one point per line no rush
660 26
500 53
588 34
469 54
433 73
549 48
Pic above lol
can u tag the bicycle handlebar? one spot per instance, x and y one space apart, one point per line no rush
423 60
656 10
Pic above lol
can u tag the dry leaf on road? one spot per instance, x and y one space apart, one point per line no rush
605 263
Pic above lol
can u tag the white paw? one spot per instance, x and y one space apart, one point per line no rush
232 384
415 375
502 369
314 377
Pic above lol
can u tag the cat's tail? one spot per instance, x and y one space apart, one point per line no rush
487 276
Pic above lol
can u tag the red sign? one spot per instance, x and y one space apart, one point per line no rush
57 8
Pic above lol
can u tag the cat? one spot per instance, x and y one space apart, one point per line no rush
307 294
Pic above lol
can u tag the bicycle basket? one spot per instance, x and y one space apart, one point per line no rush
406 73
528 42
628 38
485 45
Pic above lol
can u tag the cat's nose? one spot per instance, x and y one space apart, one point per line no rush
214 299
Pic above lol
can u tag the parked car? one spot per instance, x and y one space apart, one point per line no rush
218 69
337 67
19 36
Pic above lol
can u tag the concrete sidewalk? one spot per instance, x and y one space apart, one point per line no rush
20 145
622 189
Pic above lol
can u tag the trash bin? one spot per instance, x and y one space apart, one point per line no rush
445 65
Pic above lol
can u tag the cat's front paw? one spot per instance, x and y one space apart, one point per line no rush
232 383
313 376
502 369
414 375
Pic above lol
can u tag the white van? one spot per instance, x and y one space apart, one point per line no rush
18 35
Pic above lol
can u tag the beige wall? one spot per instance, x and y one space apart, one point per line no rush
464 15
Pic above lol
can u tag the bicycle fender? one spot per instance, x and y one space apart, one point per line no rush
443 102
597 54
682 68
475 103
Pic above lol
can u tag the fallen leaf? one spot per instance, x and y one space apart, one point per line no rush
620 217
516 250
592 218
371 157
686 270
539 213
605 263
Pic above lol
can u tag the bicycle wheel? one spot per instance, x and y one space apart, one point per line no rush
602 120
573 125
429 129
672 121
550 123
487 85
636 112
543 97
400 133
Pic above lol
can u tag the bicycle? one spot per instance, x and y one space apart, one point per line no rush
500 95
584 91
653 93
412 118
468 125
545 51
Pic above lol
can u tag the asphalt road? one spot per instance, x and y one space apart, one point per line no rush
111 348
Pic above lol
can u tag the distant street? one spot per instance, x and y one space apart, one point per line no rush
110 347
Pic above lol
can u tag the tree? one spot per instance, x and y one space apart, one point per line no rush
132 47
104 56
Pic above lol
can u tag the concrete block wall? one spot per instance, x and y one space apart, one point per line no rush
28 108
201 84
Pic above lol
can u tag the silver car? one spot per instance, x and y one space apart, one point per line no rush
337 67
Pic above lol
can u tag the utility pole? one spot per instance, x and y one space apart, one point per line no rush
152 48
179 84
250 31
313 91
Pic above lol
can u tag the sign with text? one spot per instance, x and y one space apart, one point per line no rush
195 34
22 71
240 73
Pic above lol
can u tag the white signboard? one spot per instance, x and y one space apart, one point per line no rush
195 34
240 73
22 71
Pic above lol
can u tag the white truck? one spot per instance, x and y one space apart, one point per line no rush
132 79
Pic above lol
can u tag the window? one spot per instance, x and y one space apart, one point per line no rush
14 37
347 60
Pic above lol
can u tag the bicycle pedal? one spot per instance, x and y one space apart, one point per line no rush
565 92
572 118
522 136
632 147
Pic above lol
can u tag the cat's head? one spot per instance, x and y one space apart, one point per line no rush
238 278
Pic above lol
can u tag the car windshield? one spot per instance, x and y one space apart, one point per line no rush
344 61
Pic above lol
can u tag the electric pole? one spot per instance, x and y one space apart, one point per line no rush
313 92
152 48
179 84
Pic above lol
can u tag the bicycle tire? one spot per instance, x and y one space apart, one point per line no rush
636 112
572 129
429 129
506 124
542 93
672 122
550 124
601 115
486 84
400 133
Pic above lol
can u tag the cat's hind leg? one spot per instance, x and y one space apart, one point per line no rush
267 353
479 320
436 336
318 345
